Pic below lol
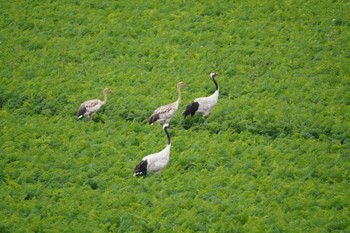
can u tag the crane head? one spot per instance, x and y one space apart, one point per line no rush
213 74
107 90
181 84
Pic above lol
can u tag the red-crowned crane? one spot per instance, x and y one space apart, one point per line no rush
155 162
203 105
165 113
90 107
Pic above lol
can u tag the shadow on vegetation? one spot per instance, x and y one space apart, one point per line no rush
99 118
96 118
193 122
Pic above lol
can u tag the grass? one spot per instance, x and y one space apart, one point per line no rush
273 155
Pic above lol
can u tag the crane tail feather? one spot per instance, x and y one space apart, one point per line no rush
191 109
81 111
141 169
153 118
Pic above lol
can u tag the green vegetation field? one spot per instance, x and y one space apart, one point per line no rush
272 156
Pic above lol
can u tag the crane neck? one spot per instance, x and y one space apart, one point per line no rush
105 97
167 134
179 94
216 84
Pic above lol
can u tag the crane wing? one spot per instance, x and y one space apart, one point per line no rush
93 105
163 112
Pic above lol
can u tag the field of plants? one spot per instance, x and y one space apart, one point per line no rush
272 156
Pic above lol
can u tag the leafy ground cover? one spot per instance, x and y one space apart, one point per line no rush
273 156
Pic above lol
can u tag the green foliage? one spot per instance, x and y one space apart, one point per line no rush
273 155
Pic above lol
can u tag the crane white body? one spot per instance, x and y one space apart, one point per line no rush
156 162
203 105
207 103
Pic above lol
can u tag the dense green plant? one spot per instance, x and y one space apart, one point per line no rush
273 156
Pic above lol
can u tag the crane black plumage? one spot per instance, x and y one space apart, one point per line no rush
90 107
165 113
155 162
203 105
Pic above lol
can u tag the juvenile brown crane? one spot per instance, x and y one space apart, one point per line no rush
90 107
165 113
